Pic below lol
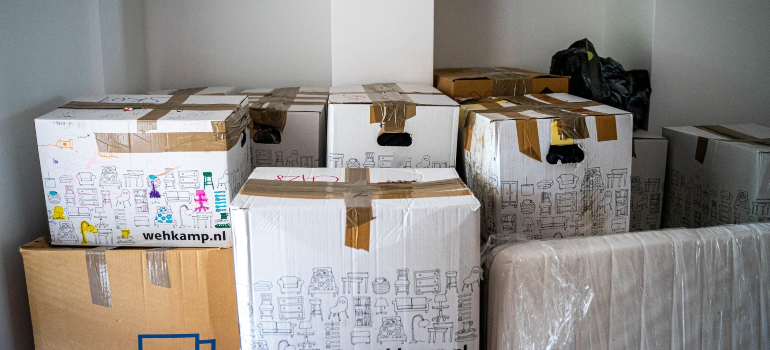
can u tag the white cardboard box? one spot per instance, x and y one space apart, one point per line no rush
209 90
354 129
414 273
160 174
674 289
506 145
717 174
648 172
302 114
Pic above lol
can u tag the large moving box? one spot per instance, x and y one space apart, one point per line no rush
479 83
101 298
143 170
357 259
391 126
210 90
548 166
702 288
717 174
288 126
648 172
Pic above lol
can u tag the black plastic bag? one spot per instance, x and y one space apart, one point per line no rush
604 80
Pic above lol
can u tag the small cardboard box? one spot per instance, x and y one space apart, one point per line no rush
512 147
97 298
391 126
717 174
357 258
211 90
288 126
700 288
648 172
143 170
478 83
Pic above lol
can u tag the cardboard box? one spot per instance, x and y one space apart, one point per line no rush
143 170
98 298
478 83
648 174
346 261
210 90
367 121
717 174
685 288
288 127
509 145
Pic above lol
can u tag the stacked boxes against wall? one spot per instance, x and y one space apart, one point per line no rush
336 259
648 172
717 174
144 170
391 126
548 166
288 126
478 83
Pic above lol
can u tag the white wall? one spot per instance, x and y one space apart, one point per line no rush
122 32
49 54
711 63
266 43
382 41
526 33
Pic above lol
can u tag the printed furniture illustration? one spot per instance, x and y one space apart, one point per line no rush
290 284
177 197
380 285
322 282
85 178
291 308
266 308
402 282
427 281
275 328
188 179
336 310
109 177
391 330
360 337
411 304
362 307
164 216
443 328
358 278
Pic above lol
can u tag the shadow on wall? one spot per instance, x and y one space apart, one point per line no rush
22 180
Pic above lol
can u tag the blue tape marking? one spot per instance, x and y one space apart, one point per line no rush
196 336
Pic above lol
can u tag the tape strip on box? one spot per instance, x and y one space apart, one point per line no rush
389 106
98 279
157 266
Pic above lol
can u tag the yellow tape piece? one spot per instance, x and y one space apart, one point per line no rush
556 136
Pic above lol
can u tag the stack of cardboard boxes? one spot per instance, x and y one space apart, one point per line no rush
295 255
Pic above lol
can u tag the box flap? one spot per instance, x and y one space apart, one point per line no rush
421 95
307 99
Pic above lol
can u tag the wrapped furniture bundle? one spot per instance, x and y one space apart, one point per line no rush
702 288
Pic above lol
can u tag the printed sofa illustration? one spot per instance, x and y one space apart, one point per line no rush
275 328
290 284
411 304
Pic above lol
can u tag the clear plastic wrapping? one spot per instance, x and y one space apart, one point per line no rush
706 288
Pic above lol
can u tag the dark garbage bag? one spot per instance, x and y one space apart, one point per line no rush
604 80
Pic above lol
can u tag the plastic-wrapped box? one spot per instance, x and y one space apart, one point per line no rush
704 288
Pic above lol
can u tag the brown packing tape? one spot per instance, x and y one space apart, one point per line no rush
390 107
98 279
509 84
529 140
189 91
358 209
358 194
274 109
157 267
732 135
701 148
606 128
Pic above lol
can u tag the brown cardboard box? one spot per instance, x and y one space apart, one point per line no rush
473 83
101 298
